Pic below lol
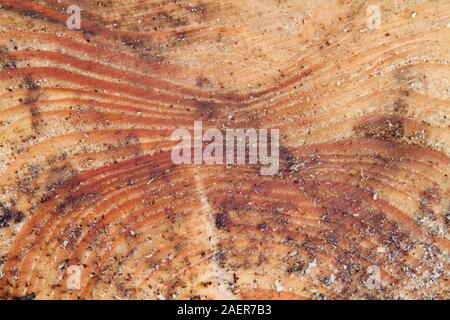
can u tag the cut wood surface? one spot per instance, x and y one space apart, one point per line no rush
87 180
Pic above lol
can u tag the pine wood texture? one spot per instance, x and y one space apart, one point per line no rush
86 177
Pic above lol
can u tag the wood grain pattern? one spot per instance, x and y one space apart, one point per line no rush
86 177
